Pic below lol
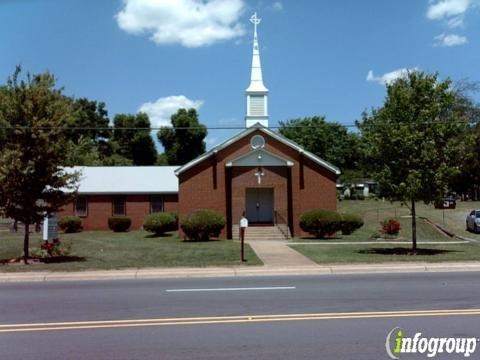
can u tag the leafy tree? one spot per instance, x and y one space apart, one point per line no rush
116 160
185 141
92 116
82 153
31 182
161 159
89 142
330 141
468 179
136 145
410 142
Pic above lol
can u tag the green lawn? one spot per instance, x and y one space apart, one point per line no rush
375 211
331 254
135 249
452 219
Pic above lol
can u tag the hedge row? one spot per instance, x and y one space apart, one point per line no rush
322 222
204 224
161 222
70 224
119 223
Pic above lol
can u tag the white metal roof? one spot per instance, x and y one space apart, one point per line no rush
127 179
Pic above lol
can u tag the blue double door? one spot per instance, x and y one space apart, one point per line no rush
259 205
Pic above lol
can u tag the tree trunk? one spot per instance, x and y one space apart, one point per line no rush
414 229
26 240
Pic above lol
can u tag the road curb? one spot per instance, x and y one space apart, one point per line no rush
155 273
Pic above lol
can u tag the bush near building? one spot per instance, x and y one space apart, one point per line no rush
321 222
160 223
119 223
70 224
203 224
350 223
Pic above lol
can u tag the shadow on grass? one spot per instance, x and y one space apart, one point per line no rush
49 260
201 240
62 259
313 238
404 251
153 236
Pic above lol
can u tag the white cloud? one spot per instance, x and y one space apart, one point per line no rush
444 9
450 40
452 14
160 111
191 23
277 6
389 77
455 22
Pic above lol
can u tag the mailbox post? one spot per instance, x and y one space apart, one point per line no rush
243 228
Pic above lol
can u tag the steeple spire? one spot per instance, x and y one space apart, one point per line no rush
257 93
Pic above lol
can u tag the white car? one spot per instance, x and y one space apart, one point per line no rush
473 221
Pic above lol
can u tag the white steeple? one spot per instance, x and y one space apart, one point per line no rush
257 93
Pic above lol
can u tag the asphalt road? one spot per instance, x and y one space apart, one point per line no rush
204 335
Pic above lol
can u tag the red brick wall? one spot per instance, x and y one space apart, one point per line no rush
100 209
315 189
243 178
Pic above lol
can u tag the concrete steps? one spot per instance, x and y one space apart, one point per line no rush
259 233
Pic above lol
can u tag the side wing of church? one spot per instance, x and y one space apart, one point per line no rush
258 172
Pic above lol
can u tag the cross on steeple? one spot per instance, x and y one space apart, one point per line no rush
257 93
255 21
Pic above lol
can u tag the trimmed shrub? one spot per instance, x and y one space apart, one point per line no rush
119 223
160 222
203 224
321 222
390 227
350 223
70 224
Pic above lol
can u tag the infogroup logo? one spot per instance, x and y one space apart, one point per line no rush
397 343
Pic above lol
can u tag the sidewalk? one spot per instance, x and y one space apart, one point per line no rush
161 273
279 254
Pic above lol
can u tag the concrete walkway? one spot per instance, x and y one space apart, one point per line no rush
242 270
278 253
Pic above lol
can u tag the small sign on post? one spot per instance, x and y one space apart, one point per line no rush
243 227
50 228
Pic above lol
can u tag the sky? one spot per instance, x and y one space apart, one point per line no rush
328 57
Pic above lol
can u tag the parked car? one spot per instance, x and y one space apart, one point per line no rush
448 202
473 221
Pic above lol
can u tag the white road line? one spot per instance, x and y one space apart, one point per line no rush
235 289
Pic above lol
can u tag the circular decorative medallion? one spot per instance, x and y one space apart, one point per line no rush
257 142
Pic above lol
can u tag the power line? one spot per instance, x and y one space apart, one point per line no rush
66 128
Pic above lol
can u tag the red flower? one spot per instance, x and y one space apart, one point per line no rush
390 227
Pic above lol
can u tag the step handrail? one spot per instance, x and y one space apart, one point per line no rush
285 231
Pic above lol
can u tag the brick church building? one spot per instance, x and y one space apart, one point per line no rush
258 171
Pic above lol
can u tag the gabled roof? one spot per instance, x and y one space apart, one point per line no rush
126 179
259 157
270 133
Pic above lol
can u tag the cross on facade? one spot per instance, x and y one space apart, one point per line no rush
259 175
